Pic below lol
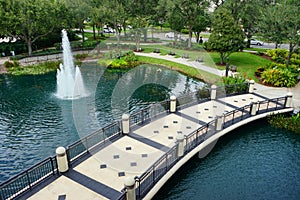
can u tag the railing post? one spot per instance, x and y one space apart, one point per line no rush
125 124
129 184
62 160
180 145
251 86
172 104
253 109
288 100
219 123
213 92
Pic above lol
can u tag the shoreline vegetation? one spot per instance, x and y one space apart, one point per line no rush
284 121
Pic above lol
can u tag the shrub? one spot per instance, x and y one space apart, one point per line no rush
278 55
279 77
282 121
41 68
11 64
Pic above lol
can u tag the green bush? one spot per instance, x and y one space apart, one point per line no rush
278 55
41 68
279 77
283 121
11 64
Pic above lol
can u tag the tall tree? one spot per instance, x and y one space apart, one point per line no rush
190 9
281 22
226 35
30 19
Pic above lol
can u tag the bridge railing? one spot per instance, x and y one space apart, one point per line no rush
28 179
148 179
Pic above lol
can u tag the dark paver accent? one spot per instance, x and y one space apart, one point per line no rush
175 122
144 155
206 109
133 164
116 156
170 137
103 166
179 132
62 197
166 126
93 185
156 132
149 142
128 148
121 174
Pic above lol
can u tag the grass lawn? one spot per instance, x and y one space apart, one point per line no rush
246 63
190 71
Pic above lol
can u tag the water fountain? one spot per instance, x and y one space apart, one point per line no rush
69 80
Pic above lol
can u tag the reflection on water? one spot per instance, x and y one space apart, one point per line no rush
33 122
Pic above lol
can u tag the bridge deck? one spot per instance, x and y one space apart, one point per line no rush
101 176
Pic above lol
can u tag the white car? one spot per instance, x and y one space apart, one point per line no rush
172 35
256 42
108 30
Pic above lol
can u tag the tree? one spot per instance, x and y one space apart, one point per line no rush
190 9
281 22
226 36
202 21
30 20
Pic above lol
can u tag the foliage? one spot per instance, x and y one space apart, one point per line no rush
226 36
41 68
279 77
235 85
11 64
278 55
30 20
291 123
81 56
126 61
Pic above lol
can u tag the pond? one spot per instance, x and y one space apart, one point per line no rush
33 122
253 162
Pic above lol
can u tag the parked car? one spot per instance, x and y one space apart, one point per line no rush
108 30
256 42
172 35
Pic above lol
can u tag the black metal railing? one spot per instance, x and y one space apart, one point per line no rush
154 173
29 178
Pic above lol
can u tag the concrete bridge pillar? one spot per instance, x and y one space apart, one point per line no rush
251 86
62 160
219 123
129 184
172 104
253 108
125 124
180 144
213 92
288 100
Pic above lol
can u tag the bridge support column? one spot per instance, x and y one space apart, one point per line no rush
172 104
125 124
213 92
251 86
288 100
129 184
180 145
62 160
253 109
219 123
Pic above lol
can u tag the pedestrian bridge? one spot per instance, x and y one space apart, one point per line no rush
133 158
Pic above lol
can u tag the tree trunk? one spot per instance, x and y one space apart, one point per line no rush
94 32
291 49
190 37
82 34
221 58
29 46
